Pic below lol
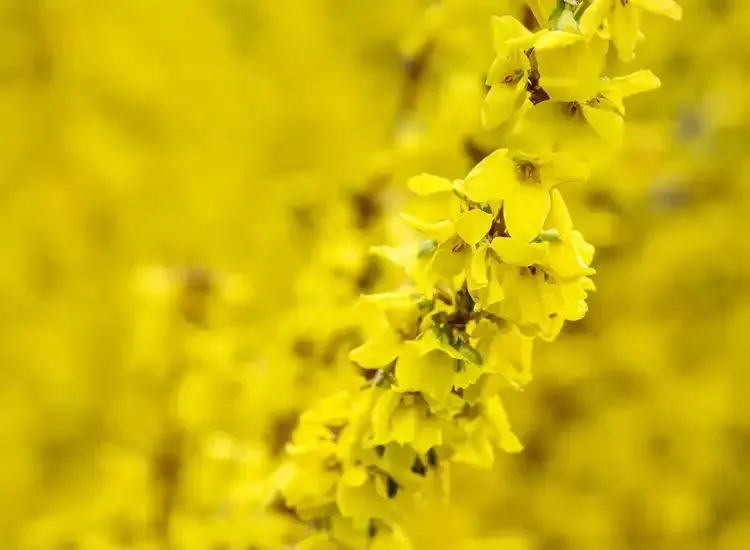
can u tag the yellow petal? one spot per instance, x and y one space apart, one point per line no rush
473 225
623 22
495 413
585 249
476 276
501 68
376 352
430 434
427 343
360 502
509 354
430 342
505 28
593 17
495 292
384 407
446 263
667 8
477 449
492 179
574 298
468 376
440 231
571 88
427 184
525 42
634 83
588 285
607 124
431 373
570 67
501 103
518 252
355 476
565 261
525 212
557 39
563 169
509 61
559 217
404 425
541 128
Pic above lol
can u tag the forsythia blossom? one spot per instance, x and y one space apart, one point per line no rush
499 264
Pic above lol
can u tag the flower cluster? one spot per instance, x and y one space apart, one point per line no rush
498 264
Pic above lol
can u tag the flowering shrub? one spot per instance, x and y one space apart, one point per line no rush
106 168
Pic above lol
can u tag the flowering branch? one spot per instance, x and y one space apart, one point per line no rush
500 264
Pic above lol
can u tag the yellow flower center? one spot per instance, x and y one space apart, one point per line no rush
514 77
527 172
572 108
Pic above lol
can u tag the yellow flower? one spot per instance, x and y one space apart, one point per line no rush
489 264
569 66
569 254
613 90
582 128
538 302
359 496
313 468
482 280
442 212
405 418
517 252
415 261
623 17
435 208
474 438
508 76
561 301
522 182
452 225
522 303
431 366
605 112
389 319
507 352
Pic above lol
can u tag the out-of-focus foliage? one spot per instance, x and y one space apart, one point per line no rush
187 194
151 150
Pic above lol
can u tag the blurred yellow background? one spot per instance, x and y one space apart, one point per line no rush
188 191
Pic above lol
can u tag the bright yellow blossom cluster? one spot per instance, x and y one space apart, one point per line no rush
499 265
